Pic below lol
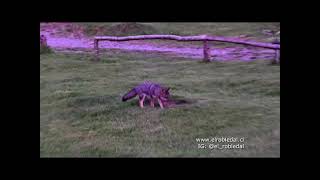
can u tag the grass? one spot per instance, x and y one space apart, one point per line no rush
218 29
81 113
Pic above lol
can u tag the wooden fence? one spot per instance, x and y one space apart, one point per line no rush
203 38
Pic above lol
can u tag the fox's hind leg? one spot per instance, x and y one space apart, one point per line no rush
141 99
160 103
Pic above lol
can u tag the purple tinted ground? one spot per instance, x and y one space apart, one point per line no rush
232 52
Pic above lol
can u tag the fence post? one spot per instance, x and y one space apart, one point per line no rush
96 49
206 55
277 52
277 56
276 59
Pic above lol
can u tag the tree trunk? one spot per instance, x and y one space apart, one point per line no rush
43 41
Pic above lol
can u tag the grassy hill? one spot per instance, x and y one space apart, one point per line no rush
81 113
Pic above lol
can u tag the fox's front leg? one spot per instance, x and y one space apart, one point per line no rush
151 102
141 99
160 103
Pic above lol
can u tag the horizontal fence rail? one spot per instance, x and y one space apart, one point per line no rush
204 38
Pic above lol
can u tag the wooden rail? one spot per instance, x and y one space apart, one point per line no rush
203 38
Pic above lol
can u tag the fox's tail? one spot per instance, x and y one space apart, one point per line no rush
131 94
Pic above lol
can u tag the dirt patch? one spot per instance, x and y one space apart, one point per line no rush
172 103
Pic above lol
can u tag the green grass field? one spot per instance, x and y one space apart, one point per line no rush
81 113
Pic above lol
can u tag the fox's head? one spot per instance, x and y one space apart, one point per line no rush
165 93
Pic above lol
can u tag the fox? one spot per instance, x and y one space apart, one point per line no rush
152 91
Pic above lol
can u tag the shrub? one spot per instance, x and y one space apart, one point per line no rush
45 49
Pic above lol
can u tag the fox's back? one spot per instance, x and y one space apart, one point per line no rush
146 87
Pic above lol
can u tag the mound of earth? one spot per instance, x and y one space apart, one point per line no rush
173 102
129 29
91 29
74 30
